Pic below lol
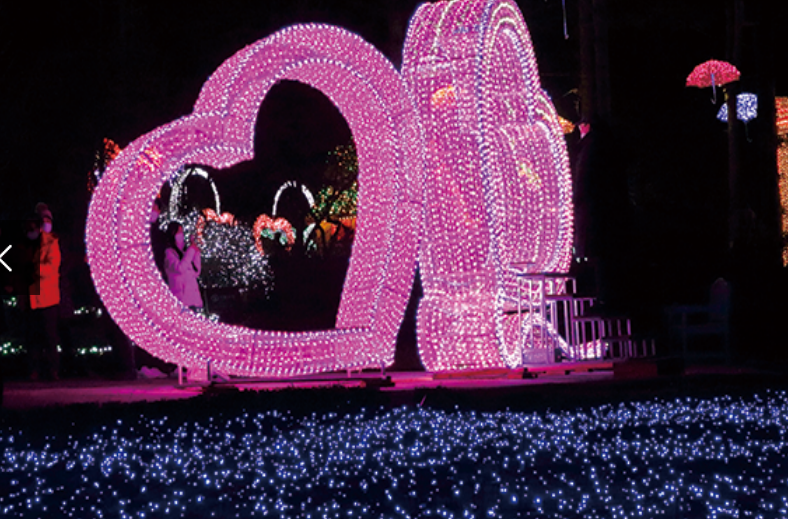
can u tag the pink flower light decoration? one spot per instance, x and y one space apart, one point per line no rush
224 218
497 182
209 215
275 224
219 133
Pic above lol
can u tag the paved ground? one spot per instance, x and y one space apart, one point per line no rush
28 395
581 379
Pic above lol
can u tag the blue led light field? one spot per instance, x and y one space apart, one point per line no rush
687 457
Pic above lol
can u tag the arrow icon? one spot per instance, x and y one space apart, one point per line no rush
1 258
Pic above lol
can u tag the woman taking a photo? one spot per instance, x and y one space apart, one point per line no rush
182 268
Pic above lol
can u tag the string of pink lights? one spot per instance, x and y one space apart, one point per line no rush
463 146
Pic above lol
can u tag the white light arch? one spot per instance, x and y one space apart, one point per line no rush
292 184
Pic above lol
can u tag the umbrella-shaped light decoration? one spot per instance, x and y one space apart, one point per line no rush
712 74
746 109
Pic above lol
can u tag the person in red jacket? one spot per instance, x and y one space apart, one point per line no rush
44 294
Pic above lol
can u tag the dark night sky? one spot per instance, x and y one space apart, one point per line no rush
76 72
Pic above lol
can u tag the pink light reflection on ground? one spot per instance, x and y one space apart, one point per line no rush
28 395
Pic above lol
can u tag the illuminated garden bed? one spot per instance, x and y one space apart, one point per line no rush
685 457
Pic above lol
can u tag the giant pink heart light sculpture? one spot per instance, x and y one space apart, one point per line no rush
369 93
470 112
497 181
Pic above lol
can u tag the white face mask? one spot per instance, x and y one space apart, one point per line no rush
32 235
47 227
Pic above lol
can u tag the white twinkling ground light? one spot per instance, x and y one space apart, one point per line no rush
688 457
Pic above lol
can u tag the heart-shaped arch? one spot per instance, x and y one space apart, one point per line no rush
369 93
